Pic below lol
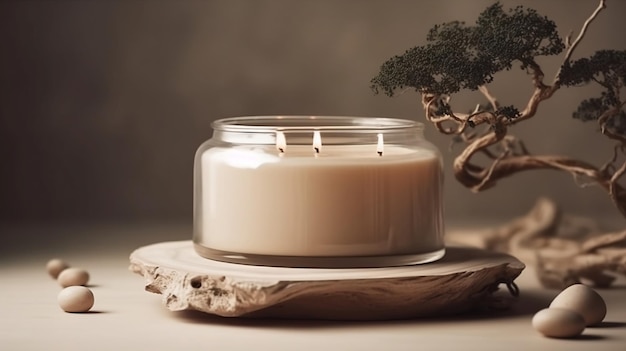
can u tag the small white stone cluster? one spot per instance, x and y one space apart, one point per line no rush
571 311
75 296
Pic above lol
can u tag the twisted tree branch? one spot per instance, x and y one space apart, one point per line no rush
507 161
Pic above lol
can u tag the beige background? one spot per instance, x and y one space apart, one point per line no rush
103 103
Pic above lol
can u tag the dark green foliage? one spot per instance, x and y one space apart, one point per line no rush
520 36
458 56
617 124
588 109
607 68
591 109
509 112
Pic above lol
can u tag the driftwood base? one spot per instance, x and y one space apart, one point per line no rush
563 250
464 279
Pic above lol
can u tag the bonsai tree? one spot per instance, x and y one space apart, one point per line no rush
459 56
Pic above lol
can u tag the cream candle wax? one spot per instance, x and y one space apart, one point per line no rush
307 192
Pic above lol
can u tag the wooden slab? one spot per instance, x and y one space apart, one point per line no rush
465 278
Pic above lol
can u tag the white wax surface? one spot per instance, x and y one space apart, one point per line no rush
346 201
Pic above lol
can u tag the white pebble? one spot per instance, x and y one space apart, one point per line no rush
56 266
558 323
73 276
75 299
582 300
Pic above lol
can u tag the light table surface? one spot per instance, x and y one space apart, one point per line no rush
125 317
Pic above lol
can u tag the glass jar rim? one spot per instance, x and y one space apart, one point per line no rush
320 123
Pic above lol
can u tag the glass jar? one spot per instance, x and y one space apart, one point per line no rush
318 191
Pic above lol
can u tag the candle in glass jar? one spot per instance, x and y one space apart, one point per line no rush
348 200
318 198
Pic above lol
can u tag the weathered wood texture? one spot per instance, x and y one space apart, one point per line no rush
562 249
463 280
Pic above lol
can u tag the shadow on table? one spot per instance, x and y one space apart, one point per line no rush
608 324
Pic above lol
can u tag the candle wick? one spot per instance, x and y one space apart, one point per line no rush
381 144
317 150
281 143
